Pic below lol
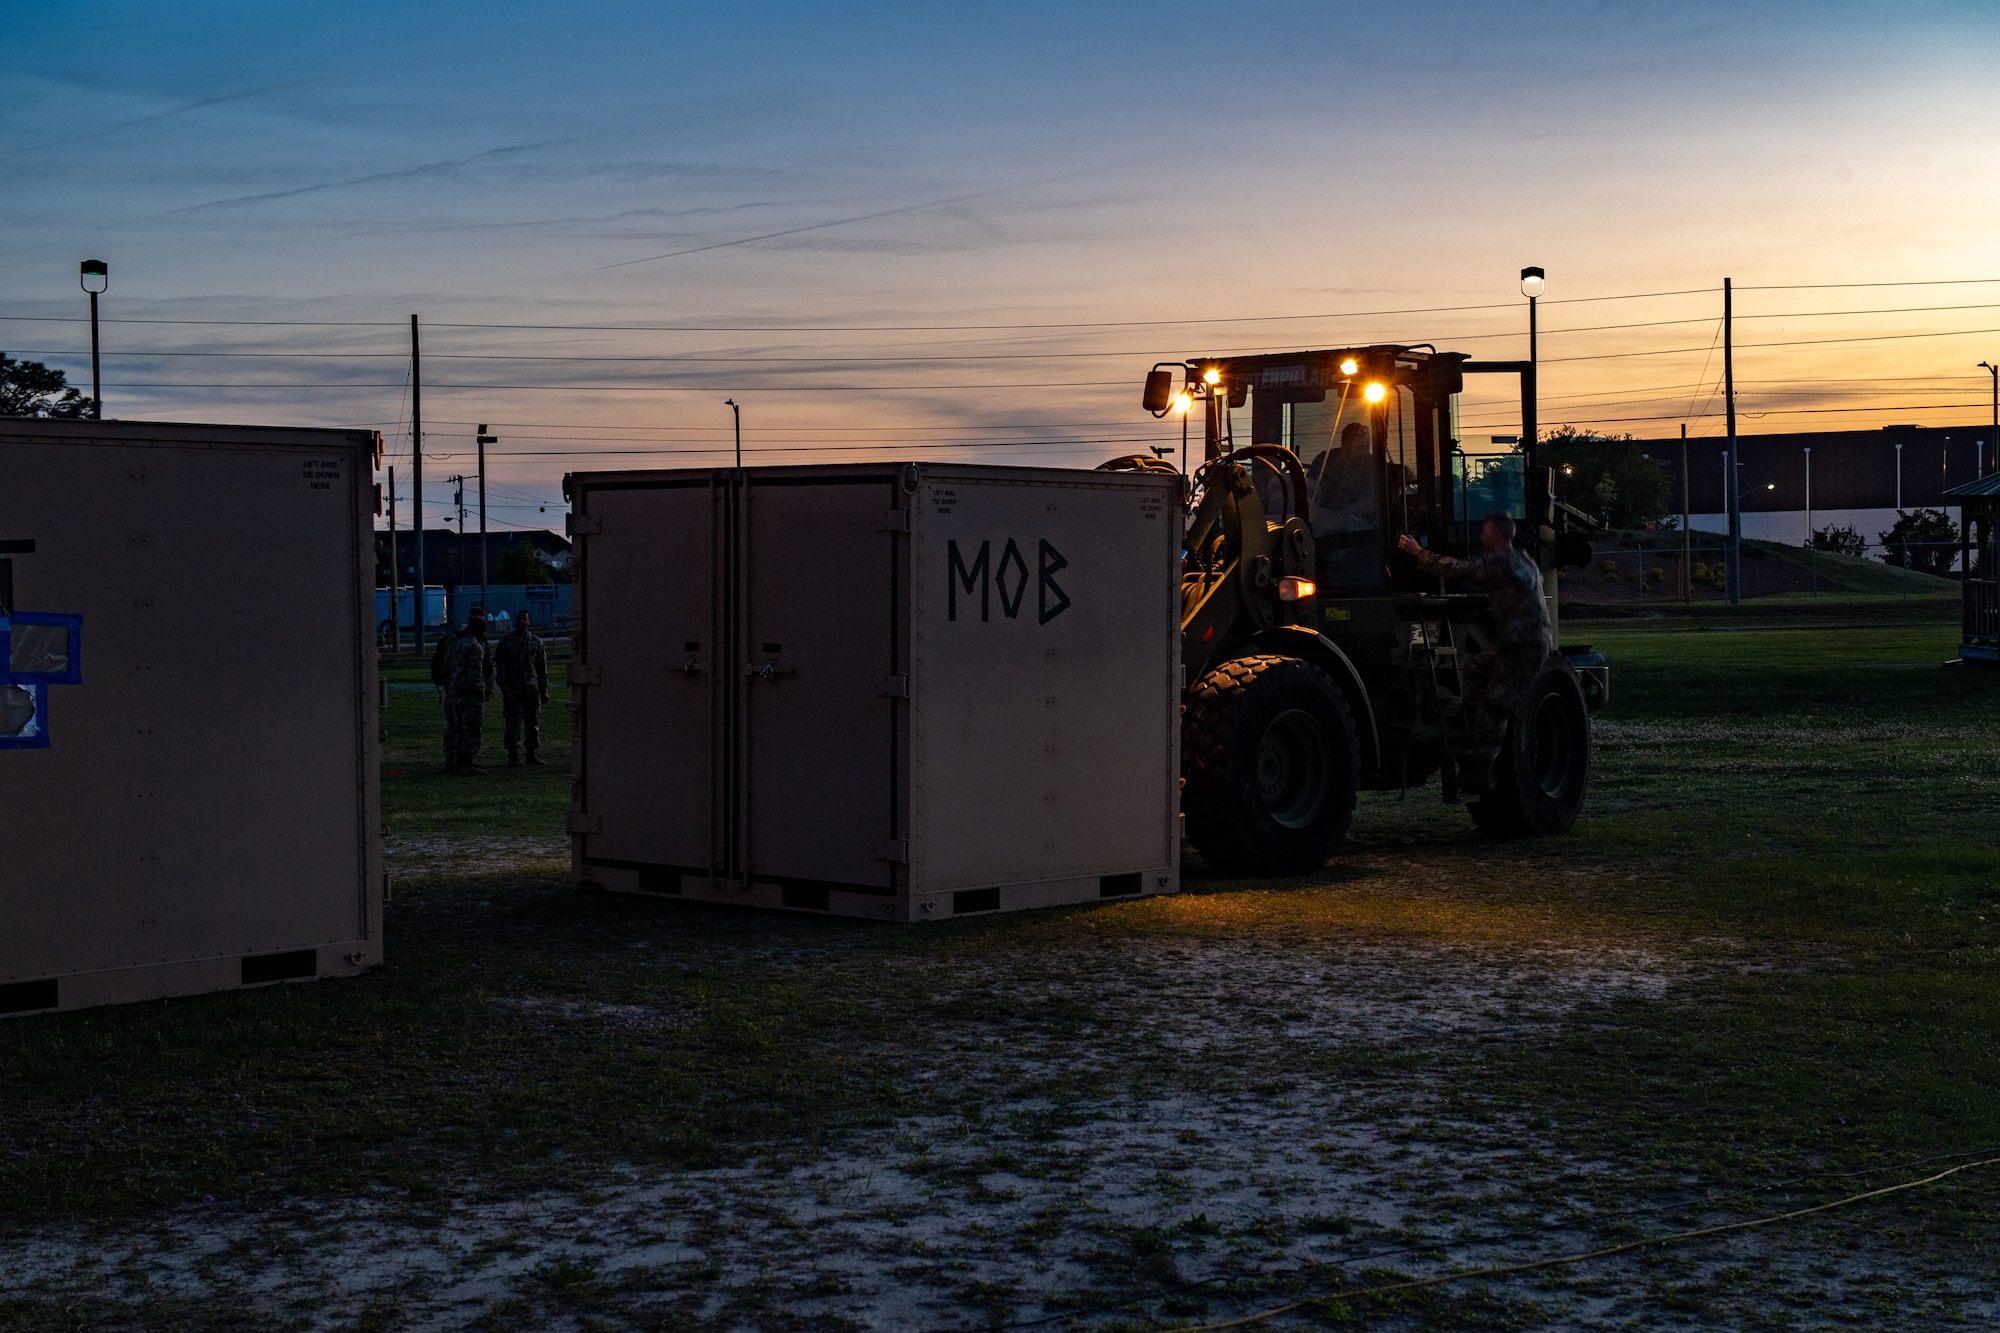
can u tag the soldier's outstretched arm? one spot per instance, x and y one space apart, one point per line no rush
1444 566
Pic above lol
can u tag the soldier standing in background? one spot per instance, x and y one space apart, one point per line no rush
1498 679
468 684
524 687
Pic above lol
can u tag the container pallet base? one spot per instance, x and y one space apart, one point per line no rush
200 976
875 905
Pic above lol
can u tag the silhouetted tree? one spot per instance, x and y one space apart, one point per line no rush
523 562
1928 537
1605 475
31 389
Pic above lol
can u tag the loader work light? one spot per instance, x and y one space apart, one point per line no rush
1350 366
1211 376
1375 393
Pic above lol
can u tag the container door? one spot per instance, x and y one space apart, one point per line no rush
818 645
649 664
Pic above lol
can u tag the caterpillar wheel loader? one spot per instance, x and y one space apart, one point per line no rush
1319 662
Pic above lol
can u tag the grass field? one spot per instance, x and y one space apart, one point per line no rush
1763 972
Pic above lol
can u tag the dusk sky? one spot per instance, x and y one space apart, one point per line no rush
944 231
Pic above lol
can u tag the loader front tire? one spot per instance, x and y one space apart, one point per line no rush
1271 763
1544 764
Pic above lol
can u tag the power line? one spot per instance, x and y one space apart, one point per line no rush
634 388
703 358
870 328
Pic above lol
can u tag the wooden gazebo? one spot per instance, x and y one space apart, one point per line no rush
1978 501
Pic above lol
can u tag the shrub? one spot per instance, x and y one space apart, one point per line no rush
1927 538
1839 541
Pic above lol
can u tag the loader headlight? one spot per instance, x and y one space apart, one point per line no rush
1375 393
1182 403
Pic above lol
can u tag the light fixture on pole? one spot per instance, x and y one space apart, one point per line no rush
1994 440
94 275
737 412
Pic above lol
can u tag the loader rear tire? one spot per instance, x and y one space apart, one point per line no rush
1544 765
1271 764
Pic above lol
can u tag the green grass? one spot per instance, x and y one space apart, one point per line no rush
1862 575
419 798
1800 806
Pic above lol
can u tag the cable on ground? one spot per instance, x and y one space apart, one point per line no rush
1609 1251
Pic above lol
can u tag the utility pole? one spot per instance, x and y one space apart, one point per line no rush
1732 480
95 276
395 585
422 598
737 412
484 440
1687 525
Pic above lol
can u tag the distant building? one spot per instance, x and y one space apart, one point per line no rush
1860 478
451 560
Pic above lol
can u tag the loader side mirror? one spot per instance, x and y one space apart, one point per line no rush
1159 391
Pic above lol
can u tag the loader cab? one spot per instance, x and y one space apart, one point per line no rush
1377 431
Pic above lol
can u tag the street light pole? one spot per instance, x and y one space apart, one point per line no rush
737 412
458 499
395 576
1732 479
1994 440
484 440
1812 540
1687 525
94 276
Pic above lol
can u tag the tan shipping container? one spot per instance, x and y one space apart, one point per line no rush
189 785
896 691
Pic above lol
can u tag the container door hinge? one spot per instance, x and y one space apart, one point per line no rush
895 850
580 822
895 687
896 520
579 674
583 525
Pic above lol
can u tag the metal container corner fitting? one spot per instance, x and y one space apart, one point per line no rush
188 714
893 691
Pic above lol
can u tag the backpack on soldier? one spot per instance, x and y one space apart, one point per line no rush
437 660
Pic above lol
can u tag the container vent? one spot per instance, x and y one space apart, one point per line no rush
812 897
22 997
280 967
975 900
1117 886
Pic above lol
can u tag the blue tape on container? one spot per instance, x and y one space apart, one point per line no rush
41 648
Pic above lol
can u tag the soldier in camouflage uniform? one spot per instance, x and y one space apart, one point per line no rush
524 688
1497 680
468 684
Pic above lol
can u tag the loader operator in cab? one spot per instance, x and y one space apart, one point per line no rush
1498 679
